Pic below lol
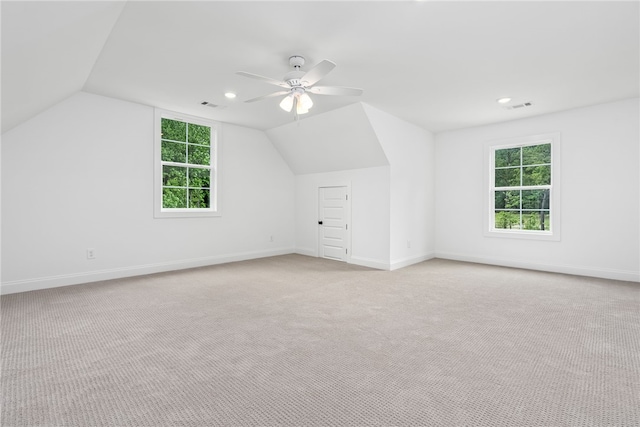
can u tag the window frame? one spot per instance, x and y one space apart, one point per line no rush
214 177
554 198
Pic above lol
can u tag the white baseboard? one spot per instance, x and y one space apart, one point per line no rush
401 263
603 273
364 262
138 270
306 251
371 263
11 287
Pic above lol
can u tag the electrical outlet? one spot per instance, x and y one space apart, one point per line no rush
91 253
408 243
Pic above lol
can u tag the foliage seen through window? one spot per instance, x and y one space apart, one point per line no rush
186 165
522 187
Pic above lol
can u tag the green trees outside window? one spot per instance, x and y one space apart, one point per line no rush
522 187
186 165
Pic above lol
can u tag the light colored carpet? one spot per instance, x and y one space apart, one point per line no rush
294 340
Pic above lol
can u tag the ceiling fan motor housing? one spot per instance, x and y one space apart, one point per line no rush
293 78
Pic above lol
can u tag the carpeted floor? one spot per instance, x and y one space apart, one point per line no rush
301 341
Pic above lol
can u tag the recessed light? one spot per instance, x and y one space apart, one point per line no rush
230 95
503 100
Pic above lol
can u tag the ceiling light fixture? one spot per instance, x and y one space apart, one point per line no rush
301 110
230 95
503 100
305 101
299 98
287 103
297 85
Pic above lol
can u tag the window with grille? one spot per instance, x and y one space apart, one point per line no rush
523 183
186 160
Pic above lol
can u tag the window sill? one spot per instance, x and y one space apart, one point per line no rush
187 213
524 235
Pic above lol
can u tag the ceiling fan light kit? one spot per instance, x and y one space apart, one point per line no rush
287 103
298 84
301 100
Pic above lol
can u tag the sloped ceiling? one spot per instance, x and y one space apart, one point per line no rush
438 64
48 52
341 139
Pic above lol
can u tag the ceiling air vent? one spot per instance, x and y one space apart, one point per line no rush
515 107
209 104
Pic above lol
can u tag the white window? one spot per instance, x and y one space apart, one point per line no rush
523 199
186 159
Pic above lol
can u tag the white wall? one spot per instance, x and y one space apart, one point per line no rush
410 150
370 213
80 175
392 206
337 140
600 211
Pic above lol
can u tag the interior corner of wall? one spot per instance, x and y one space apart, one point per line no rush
367 110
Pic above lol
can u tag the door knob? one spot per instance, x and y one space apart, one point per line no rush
320 222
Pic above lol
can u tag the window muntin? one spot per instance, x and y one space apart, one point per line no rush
521 187
186 166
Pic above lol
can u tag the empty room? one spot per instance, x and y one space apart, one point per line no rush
320 213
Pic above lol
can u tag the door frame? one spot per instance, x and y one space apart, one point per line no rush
347 217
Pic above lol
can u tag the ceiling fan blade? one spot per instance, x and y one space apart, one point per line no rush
316 73
264 79
271 95
335 90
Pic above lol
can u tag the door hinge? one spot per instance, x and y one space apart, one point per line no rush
346 197
346 251
346 226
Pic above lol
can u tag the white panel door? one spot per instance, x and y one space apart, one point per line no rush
332 222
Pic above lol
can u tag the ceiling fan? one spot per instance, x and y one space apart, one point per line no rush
298 84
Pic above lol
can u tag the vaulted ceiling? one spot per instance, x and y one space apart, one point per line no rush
438 64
